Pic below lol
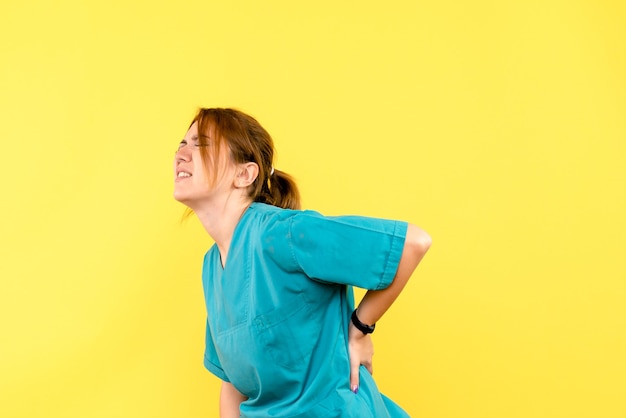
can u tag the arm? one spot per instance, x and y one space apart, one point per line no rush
376 302
230 399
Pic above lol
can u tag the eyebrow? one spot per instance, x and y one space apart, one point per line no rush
193 138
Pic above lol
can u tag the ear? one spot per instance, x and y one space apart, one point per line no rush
246 174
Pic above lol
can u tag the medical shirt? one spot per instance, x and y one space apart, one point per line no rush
278 312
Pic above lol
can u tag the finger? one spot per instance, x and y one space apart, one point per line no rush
354 376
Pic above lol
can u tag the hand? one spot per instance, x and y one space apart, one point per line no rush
361 351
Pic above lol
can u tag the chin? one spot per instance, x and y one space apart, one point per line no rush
180 197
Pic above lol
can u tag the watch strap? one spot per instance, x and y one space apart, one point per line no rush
364 328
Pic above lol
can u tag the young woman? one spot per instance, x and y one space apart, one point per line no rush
281 332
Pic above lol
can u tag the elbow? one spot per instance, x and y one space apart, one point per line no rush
418 241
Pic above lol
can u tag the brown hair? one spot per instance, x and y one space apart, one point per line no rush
247 141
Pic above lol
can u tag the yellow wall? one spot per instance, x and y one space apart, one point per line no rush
498 126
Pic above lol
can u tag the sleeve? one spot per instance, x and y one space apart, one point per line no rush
350 250
211 359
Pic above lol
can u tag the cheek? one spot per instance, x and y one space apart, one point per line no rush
200 174
198 167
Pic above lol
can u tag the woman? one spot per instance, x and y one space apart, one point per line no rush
281 331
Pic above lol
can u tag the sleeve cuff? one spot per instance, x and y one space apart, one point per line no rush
217 371
394 255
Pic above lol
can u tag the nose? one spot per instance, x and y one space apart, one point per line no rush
183 153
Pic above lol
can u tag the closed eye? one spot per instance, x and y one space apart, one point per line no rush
205 143
195 141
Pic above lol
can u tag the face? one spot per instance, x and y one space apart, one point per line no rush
191 185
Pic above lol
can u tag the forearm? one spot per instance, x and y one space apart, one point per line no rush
376 302
230 399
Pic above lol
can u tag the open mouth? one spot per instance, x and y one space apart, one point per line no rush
183 174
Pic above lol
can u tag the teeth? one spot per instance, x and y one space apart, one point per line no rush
183 174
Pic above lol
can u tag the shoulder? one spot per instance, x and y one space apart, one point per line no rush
272 218
266 216
263 224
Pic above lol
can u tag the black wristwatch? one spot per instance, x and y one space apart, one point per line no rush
364 328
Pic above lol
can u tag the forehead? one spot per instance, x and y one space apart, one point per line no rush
209 131
192 132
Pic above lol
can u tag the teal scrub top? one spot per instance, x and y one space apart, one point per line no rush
278 312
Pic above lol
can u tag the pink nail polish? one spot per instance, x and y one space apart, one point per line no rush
355 389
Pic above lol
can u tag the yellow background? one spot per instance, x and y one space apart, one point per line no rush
498 126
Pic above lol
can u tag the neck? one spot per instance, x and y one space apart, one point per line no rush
220 220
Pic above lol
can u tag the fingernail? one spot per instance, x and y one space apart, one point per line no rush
355 389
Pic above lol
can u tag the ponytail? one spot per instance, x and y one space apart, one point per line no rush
280 190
